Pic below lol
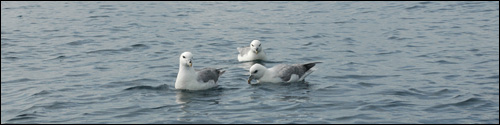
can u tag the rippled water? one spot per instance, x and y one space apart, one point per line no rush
383 62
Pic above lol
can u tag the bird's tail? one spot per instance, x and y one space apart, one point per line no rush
310 68
221 71
310 65
307 73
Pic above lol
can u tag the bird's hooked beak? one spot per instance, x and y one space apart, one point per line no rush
190 64
250 79
256 51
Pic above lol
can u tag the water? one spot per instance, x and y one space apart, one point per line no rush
383 62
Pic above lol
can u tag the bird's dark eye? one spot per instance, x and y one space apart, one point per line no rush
255 71
252 45
183 57
259 45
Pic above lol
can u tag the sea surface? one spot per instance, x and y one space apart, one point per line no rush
382 62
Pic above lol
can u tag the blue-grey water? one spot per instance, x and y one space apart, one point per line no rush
382 62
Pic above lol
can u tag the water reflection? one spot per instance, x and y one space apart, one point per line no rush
209 95
290 92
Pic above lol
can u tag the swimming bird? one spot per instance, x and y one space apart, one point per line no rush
281 72
189 79
252 52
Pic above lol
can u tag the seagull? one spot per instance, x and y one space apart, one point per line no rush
253 52
281 72
189 79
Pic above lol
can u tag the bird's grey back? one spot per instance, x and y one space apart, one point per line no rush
207 74
285 71
243 50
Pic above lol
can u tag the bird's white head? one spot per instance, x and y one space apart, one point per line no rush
186 59
256 72
256 46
